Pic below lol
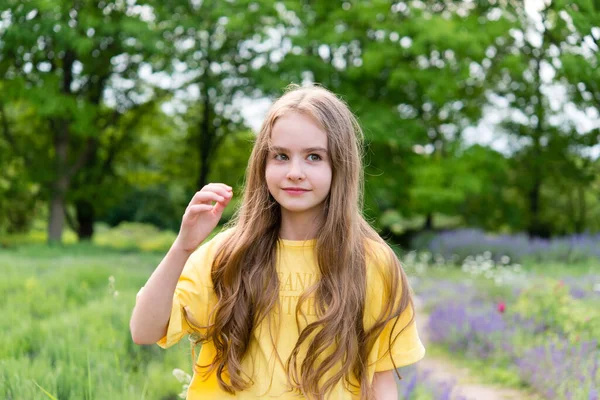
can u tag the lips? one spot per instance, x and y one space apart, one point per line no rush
294 190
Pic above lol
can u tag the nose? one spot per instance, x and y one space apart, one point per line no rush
295 173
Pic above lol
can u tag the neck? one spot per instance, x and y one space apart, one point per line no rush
296 226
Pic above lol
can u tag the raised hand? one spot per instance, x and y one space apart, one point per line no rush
202 215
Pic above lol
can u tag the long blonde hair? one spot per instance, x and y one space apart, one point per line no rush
244 274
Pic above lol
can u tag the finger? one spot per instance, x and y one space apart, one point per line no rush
206 197
226 194
220 189
220 185
220 206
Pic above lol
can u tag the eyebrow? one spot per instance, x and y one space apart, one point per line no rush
306 150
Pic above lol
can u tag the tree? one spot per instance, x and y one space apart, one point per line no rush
577 69
218 47
122 141
62 58
546 142
414 73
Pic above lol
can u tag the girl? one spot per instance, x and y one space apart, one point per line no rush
300 297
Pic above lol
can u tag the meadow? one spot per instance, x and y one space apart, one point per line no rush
64 327
533 326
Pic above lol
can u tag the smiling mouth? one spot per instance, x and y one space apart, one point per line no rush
295 190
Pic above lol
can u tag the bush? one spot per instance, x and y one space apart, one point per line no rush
159 205
550 303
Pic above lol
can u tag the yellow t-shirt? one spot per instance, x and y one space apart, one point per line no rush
297 270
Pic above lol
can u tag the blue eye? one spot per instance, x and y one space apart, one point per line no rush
281 157
314 157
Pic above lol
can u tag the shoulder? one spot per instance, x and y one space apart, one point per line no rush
383 269
199 264
383 278
376 248
379 256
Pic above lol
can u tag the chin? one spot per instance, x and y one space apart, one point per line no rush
299 208
295 208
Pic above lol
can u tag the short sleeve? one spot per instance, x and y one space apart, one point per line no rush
406 346
194 296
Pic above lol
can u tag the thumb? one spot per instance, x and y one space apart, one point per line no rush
220 206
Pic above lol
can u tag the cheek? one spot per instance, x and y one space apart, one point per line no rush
326 178
271 174
268 176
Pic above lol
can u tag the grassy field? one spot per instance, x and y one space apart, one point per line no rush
64 329
533 326
64 326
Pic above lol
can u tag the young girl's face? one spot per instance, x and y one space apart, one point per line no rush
298 170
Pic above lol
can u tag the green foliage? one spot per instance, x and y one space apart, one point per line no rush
415 73
18 197
60 61
19 191
491 206
405 71
548 302
159 205
222 45
159 196
549 149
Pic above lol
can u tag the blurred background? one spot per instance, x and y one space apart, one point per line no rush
482 161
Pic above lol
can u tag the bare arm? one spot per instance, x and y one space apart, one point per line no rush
385 386
150 317
153 306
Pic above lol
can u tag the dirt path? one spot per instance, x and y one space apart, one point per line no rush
466 383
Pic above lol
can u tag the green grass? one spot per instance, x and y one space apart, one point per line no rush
64 334
557 270
128 236
500 373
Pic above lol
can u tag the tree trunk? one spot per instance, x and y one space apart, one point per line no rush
535 229
428 222
86 216
581 220
206 138
85 212
56 221
60 185
571 212
204 171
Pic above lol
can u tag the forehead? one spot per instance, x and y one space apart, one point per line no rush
296 130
